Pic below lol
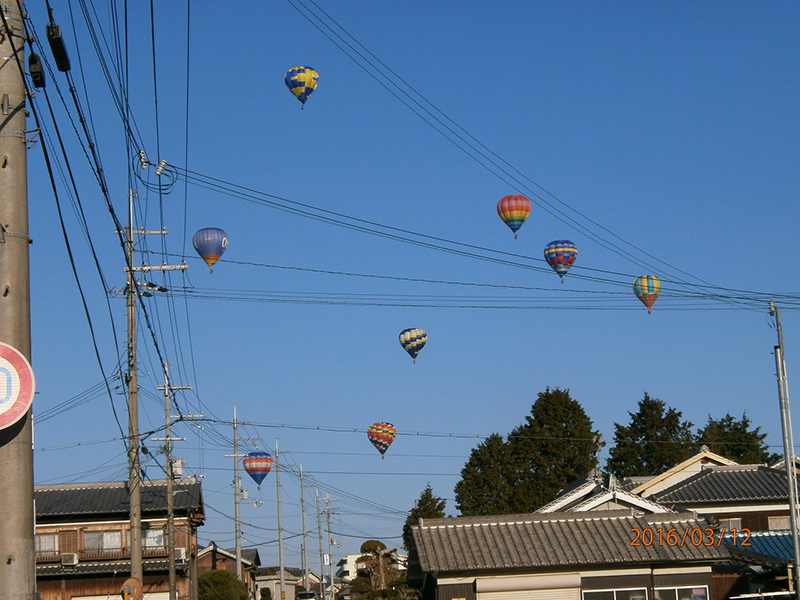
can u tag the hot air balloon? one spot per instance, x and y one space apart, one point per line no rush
514 210
301 81
257 465
210 243
381 435
560 255
412 340
647 288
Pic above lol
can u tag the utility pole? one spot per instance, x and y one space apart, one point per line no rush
323 590
305 530
280 522
173 579
17 564
237 485
328 510
237 489
134 473
788 442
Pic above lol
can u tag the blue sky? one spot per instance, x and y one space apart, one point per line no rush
671 126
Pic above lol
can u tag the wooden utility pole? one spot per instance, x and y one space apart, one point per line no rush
17 556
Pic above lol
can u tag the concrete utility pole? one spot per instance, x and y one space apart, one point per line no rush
788 443
280 522
134 473
17 557
237 485
305 530
323 590
167 439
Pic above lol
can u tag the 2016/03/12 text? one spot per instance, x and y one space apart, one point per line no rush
694 536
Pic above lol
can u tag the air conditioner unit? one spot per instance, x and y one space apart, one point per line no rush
69 559
180 554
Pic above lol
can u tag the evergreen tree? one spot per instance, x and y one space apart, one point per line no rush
486 484
220 585
735 440
554 446
427 507
655 440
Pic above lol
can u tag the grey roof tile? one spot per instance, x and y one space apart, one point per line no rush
738 483
534 541
80 500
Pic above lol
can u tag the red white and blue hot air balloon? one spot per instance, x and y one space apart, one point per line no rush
258 465
210 243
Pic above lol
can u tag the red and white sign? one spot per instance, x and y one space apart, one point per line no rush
17 385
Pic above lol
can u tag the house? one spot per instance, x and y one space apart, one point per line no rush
269 578
82 538
595 555
212 558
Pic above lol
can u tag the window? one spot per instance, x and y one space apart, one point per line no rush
729 524
46 543
100 541
682 593
779 523
631 594
153 538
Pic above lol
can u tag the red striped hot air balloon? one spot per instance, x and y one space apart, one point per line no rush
381 435
514 210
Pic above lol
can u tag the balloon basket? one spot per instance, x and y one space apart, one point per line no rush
515 236
383 457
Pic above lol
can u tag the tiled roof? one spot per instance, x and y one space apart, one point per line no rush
777 544
544 541
80 500
739 483
120 568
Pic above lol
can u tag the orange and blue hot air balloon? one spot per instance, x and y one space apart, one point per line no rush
210 243
560 254
413 340
647 288
258 465
381 435
301 81
514 210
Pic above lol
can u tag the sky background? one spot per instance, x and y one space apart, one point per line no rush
667 129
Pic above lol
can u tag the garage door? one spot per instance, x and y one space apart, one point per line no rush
551 594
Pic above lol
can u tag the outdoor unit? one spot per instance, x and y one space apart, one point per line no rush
180 554
69 559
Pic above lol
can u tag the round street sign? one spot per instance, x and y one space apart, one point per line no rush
16 385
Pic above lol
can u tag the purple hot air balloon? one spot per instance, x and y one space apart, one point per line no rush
210 243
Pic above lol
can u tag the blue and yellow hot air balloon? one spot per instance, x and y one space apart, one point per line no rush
647 288
560 254
381 435
258 465
412 340
301 81
210 243
514 210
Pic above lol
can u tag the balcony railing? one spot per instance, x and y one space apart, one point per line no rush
45 556
102 554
